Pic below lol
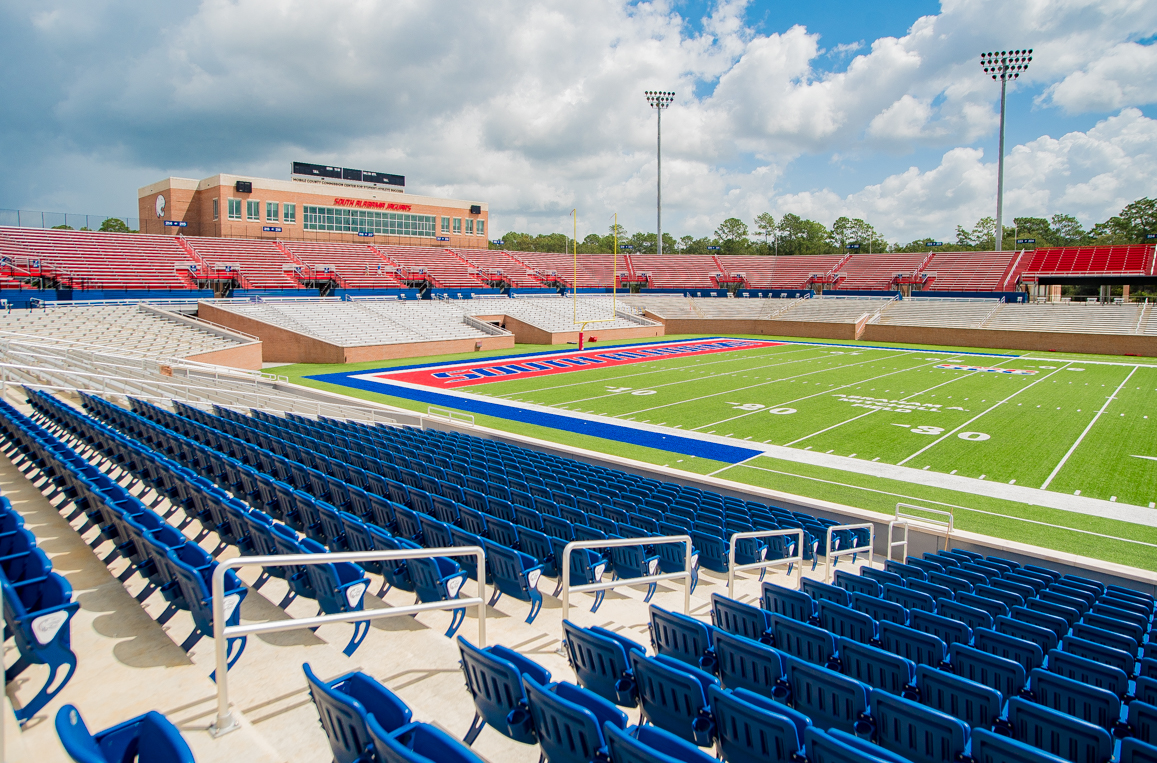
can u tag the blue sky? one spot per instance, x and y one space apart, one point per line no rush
826 108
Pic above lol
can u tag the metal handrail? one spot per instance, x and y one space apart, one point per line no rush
658 540
831 555
225 722
906 519
796 559
453 417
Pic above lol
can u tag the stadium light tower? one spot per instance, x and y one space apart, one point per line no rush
1003 65
659 100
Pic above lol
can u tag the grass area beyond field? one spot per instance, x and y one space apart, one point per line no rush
1065 423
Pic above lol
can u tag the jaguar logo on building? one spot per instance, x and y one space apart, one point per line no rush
160 205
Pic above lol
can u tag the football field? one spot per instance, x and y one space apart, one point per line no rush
1042 422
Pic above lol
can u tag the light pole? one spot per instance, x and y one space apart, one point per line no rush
659 100
1004 65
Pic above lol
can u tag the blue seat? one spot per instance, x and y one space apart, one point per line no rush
1089 703
439 578
515 574
909 598
601 662
682 638
1043 637
879 609
839 747
819 591
804 641
1027 653
1089 671
587 566
918 732
846 622
990 747
673 696
148 738
974 703
338 587
746 664
796 605
831 700
343 706
1006 676
569 721
1099 652
494 679
733 616
1142 721
1058 733
635 562
948 630
418 743
650 744
753 729
38 613
852 583
875 667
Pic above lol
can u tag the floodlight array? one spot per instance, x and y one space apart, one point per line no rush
1006 64
659 99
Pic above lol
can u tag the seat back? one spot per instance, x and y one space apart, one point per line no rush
1060 734
1026 653
683 638
650 744
846 622
879 609
418 743
944 628
837 747
496 686
875 667
804 641
819 591
600 663
990 747
1100 707
342 717
567 732
747 664
852 583
831 700
1088 671
916 731
749 733
673 699
792 604
974 703
738 618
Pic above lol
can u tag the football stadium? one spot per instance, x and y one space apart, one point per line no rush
311 469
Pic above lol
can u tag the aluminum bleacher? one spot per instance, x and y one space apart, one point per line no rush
259 264
833 309
357 265
1079 318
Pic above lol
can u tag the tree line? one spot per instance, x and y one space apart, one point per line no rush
795 235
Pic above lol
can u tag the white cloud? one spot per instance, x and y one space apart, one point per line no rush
538 108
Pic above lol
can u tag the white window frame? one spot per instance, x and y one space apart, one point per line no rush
480 227
458 226
235 203
289 212
216 209
255 205
445 224
272 211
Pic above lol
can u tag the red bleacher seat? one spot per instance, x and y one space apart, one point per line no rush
358 266
97 260
444 266
779 272
876 271
676 271
260 263
968 271
493 260
1124 260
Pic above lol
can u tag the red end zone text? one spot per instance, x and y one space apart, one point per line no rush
543 365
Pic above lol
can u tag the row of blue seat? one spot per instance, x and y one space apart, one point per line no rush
148 738
178 568
38 609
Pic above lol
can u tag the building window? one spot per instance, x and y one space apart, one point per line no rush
445 224
252 210
457 224
234 209
480 227
469 227
290 212
271 211
216 208
341 220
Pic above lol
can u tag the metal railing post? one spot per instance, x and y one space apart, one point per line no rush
832 556
225 722
796 559
891 543
658 540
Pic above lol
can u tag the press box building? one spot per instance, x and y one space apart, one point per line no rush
318 203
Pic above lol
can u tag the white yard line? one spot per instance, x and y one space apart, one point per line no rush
738 463
833 426
946 435
1111 398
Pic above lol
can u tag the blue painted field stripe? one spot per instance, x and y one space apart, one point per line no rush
688 446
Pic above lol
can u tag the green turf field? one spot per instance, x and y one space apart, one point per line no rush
1079 423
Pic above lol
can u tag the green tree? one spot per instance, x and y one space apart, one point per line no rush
692 245
765 226
65 227
1131 226
732 236
1068 231
798 235
114 225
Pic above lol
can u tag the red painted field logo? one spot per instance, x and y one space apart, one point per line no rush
988 369
465 374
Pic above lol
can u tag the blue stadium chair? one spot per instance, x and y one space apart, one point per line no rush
839 747
338 587
682 638
947 629
1133 750
733 616
601 662
746 664
515 574
1058 733
38 612
417 743
990 747
788 603
569 721
650 744
672 556
1089 671
1089 703
1009 599
1100 652
951 582
969 615
846 622
1043 637
819 591
673 696
917 646
910 598
1006 676
753 729
804 641
1058 625
876 667
635 562
148 738
587 566
494 678
917 732
829 699
1048 604
975 704
1027 653
1142 722
439 579
713 550
852 583
1110 631
343 706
